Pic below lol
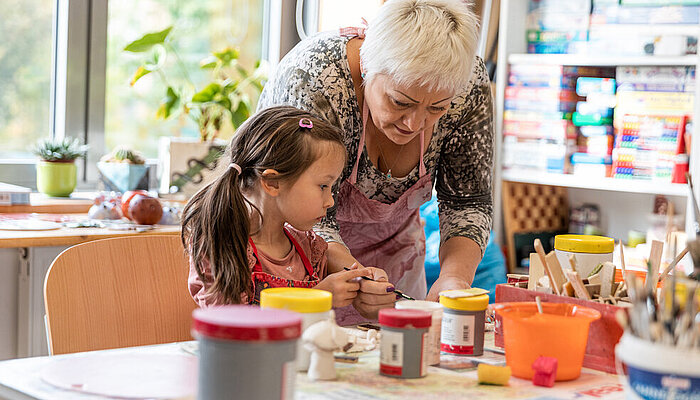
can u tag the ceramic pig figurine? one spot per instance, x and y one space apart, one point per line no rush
104 209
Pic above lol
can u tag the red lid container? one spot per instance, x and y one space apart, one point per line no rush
393 318
246 323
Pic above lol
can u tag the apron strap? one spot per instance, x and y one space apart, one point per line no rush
354 31
304 259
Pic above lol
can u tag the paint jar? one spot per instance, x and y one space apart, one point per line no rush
435 310
313 305
463 323
246 352
589 251
403 348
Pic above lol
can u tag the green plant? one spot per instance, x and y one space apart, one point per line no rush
59 150
123 154
223 99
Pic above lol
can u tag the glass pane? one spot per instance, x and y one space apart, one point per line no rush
334 14
25 74
199 28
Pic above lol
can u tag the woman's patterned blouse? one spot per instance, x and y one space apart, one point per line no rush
315 76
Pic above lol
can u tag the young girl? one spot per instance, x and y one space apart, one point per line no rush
251 228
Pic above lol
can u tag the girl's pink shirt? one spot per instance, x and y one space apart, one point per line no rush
290 267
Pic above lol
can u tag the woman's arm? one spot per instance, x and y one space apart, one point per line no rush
464 186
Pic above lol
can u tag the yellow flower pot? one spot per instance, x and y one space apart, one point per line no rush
56 179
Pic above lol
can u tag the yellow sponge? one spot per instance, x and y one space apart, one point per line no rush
493 375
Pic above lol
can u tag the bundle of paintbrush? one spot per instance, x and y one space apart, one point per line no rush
694 250
669 316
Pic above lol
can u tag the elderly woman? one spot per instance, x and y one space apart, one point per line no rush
414 104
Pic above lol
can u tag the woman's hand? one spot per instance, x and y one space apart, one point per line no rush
374 295
344 285
446 282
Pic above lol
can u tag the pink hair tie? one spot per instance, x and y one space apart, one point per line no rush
236 167
306 123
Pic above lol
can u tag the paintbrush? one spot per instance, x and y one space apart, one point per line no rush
694 250
397 291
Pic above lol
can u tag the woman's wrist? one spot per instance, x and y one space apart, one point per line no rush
459 257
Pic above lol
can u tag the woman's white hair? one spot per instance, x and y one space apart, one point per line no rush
429 43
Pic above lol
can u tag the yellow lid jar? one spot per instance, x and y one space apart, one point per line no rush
463 321
313 305
589 250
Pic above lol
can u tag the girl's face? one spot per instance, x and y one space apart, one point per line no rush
305 201
403 112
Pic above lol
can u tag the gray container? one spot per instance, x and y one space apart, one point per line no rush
246 352
403 349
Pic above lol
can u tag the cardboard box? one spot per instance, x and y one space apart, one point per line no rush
603 334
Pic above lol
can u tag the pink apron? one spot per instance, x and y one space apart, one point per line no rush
388 236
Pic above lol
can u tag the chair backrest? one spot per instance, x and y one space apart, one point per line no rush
119 292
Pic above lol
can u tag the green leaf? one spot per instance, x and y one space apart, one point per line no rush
241 114
141 72
227 55
207 94
209 63
169 102
148 40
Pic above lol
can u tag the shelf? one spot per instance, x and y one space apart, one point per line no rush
608 184
586 60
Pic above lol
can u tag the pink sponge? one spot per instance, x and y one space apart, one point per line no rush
545 371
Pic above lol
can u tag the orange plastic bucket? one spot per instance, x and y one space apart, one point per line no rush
561 331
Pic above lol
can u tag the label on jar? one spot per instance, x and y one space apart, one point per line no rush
391 353
457 334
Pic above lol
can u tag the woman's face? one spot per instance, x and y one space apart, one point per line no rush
403 112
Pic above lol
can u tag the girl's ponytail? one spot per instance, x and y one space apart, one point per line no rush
216 228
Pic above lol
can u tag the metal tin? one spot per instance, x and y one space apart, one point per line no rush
463 322
403 348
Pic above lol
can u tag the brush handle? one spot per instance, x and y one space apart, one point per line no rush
398 292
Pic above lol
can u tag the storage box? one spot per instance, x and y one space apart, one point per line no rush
603 334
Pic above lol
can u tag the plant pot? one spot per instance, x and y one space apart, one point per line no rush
122 177
56 179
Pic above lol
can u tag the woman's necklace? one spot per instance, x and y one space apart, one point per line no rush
398 157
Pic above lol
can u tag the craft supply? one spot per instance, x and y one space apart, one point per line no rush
347 359
322 339
493 374
589 250
463 322
578 285
607 279
673 264
561 332
545 371
543 259
652 278
239 344
556 270
313 305
539 304
396 291
402 350
435 310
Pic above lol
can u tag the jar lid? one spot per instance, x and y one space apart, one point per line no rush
423 305
301 300
471 303
394 318
584 244
246 323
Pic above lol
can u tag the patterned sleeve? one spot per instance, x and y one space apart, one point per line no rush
465 167
295 86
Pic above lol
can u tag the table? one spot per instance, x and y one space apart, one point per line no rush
20 379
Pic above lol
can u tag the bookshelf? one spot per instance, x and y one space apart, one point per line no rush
624 203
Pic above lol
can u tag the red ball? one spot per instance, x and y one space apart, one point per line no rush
145 210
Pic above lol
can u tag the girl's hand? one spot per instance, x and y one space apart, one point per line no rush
374 296
343 285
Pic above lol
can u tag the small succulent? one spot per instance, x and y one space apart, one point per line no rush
66 149
123 154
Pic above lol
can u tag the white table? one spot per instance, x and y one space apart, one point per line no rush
21 379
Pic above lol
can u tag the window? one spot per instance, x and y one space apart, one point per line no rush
199 27
334 14
25 74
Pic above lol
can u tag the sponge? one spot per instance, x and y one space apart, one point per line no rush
493 375
545 371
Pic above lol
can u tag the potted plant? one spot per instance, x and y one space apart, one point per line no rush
222 102
122 170
56 172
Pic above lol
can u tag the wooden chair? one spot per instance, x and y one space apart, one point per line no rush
531 208
119 292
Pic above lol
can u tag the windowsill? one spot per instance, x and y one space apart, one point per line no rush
79 202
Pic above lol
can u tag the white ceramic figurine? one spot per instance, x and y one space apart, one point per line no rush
322 339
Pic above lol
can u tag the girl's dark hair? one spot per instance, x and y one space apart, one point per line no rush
216 222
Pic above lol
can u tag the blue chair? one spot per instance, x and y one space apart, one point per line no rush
491 270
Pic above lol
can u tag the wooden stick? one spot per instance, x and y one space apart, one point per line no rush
657 249
540 252
556 270
572 262
577 283
673 264
622 260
